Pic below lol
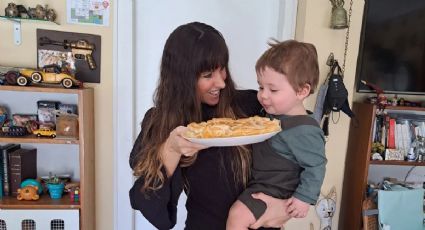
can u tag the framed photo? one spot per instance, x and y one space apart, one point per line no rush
78 53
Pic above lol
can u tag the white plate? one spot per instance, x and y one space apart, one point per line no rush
232 141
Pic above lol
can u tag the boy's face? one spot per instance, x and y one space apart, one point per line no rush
276 94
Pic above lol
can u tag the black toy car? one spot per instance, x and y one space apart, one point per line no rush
14 131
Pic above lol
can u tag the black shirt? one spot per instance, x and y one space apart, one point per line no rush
211 184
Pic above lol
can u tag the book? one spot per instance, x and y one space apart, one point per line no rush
398 136
46 113
23 165
5 150
391 134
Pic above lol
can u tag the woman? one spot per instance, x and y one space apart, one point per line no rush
195 85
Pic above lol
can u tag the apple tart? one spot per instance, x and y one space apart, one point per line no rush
228 127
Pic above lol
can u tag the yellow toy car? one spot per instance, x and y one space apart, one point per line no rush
48 74
44 133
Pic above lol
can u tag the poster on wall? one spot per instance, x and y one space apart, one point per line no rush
91 12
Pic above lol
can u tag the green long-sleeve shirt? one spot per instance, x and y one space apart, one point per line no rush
305 146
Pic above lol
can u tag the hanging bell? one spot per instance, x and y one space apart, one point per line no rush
339 18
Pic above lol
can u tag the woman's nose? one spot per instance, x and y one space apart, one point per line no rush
219 77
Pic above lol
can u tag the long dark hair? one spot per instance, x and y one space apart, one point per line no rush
189 50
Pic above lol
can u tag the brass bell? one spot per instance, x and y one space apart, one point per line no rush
339 15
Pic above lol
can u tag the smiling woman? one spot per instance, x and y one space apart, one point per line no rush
153 23
195 85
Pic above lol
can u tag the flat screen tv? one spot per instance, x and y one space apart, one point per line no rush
392 46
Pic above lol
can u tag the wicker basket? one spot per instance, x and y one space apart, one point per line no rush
370 222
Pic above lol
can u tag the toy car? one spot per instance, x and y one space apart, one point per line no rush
14 131
44 132
48 74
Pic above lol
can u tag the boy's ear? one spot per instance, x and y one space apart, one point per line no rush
304 91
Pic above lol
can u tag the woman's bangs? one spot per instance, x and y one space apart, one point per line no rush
214 55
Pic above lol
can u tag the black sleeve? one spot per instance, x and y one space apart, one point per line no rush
137 147
248 102
158 207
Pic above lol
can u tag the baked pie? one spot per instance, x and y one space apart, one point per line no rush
228 127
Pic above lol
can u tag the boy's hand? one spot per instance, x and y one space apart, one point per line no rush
297 208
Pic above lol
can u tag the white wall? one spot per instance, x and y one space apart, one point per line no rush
246 26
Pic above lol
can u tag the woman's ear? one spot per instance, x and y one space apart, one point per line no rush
304 91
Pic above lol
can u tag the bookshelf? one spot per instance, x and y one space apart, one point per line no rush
77 154
358 164
394 162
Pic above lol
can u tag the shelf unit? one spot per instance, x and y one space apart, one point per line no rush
84 144
357 161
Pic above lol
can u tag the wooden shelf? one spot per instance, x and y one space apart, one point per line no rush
45 202
391 162
37 140
58 89
27 19
405 108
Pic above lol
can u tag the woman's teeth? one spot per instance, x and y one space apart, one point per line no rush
215 92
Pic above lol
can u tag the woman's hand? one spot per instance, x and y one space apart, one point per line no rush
276 213
176 146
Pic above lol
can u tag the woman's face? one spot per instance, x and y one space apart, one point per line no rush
209 85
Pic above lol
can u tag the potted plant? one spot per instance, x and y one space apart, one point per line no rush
55 187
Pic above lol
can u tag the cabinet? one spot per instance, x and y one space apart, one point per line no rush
75 155
358 162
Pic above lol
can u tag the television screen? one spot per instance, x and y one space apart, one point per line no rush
392 46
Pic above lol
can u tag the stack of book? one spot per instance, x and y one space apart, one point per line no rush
395 131
16 165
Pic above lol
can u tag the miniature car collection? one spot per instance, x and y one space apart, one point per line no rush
50 74
41 124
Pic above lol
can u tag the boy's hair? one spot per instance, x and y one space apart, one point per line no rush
296 60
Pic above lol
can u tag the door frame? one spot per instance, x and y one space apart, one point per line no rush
124 111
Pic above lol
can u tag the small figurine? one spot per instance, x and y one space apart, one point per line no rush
51 15
73 188
394 100
402 102
40 12
325 209
22 12
11 10
377 157
381 99
419 147
74 194
28 193
411 155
